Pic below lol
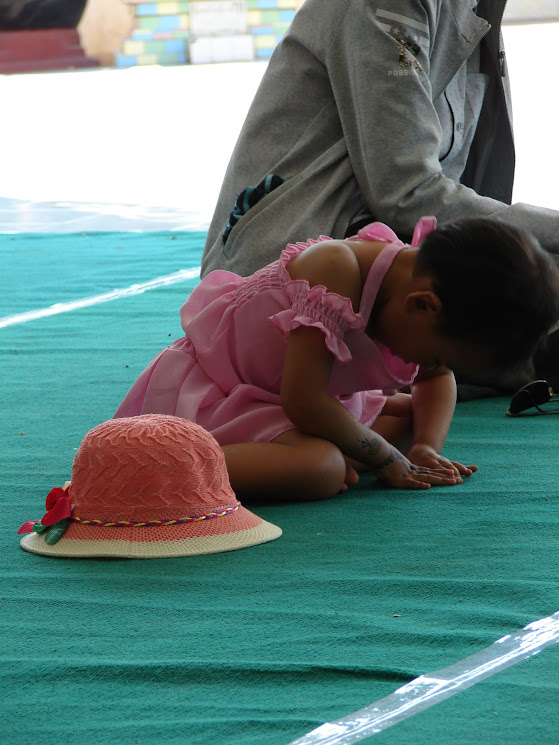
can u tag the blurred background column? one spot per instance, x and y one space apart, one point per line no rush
532 11
103 27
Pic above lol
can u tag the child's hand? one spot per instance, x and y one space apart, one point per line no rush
397 471
427 457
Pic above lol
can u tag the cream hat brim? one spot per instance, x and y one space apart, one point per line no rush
160 549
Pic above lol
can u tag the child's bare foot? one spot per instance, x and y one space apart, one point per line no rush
351 478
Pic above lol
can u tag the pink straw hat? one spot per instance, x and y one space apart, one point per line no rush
146 487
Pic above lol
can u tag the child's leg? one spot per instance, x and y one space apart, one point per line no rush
292 466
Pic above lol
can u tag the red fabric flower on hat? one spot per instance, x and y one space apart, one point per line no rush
58 508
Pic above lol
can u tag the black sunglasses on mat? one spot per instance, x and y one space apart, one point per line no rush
532 396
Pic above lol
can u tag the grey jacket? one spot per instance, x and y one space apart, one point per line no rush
346 115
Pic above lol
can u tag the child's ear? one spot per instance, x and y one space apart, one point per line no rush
423 301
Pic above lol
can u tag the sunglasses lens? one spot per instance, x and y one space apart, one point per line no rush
521 401
534 394
541 391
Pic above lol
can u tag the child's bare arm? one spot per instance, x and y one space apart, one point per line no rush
433 403
313 410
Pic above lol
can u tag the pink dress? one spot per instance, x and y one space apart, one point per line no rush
225 373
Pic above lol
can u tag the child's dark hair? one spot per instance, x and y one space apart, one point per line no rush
497 286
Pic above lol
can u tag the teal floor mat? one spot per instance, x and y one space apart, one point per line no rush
39 270
361 594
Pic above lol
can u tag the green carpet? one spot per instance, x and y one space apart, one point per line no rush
253 647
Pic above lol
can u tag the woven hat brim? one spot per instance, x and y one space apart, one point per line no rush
122 549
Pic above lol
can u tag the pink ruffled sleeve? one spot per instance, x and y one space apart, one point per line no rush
315 307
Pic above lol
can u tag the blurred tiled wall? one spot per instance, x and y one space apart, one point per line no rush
170 32
134 32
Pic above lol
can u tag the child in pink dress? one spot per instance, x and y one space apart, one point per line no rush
298 370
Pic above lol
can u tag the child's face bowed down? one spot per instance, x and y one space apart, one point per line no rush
417 339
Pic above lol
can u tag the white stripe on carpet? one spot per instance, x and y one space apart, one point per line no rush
138 289
427 690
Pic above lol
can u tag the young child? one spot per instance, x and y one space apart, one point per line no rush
297 370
